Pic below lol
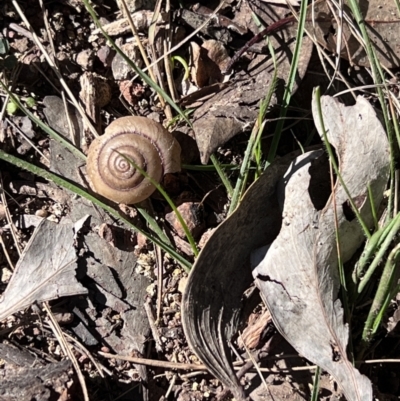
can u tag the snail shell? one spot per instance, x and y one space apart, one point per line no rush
147 143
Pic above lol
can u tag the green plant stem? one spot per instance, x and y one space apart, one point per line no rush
379 79
315 388
168 199
289 87
241 180
382 297
222 175
81 192
395 227
184 64
372 245
373 208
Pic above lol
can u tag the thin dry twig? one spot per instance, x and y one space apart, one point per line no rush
8 217
141 48
160 271
7 255
176 47
170 387
84 351
66 349
153 327
193 366
17 129
155 363
55 69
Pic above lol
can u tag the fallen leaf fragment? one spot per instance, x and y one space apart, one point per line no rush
298 278
45 271
212 299
206 61
33 381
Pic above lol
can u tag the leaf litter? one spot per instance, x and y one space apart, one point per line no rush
298 276
45 271
230 111
114 298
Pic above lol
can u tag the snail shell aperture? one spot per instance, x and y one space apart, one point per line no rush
147 143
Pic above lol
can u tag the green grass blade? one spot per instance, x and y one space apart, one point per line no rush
84 194
222 175
372 246
373 208
395 227
289 87
315 389
382 296
151 221
52 134
168 199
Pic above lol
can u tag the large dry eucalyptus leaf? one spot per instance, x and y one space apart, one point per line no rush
45 271
298 277
212 299
382 19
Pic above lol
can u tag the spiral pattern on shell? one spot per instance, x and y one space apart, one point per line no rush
148 144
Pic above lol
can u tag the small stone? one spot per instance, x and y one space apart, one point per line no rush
120 68
64 318
142 242
106 55
106 232
104 94
205 237
5 275
41 213
85 59
182 284
192 214
131 91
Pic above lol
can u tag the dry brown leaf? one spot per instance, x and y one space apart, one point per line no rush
299 278
45 271
205 62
